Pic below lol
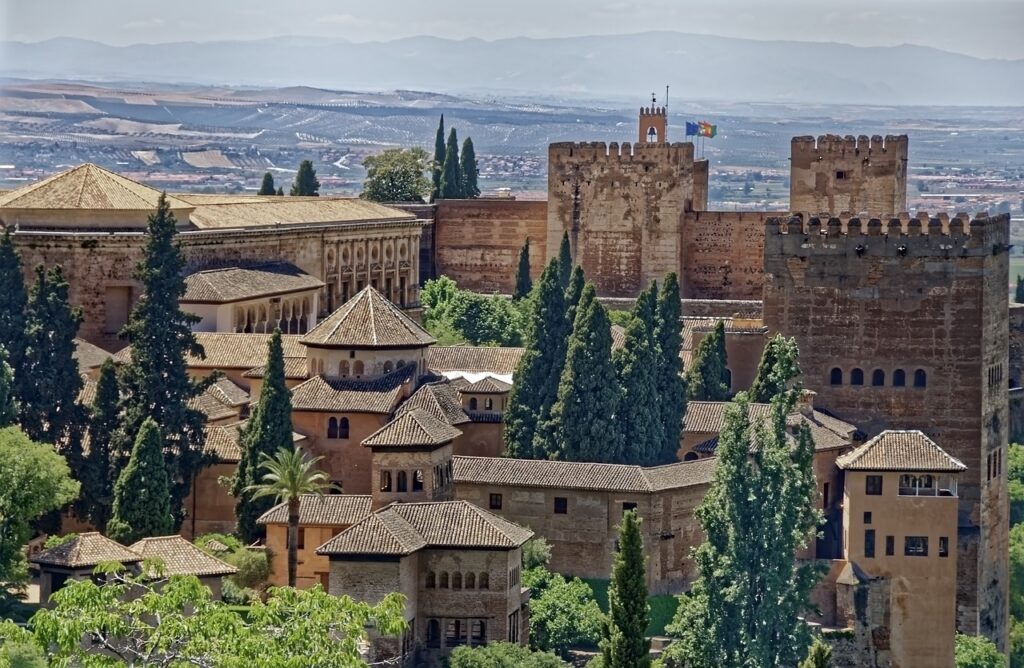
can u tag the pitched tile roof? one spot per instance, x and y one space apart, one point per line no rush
86 550
322 510
709 416
223 440
379 395
487 385
368 320
221 400
181 557
295 368
618 336
403 528
474 359
440 399
412 428
580 475
228 350
827 432
88 356
701 324
291 211
908 450
87 186
232 284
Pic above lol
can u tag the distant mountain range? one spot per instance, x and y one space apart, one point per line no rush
609 67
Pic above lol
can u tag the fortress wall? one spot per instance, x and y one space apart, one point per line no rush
722 254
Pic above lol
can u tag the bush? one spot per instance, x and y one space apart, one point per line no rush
564 615
536 552
232 594
253 565
977 652
503 655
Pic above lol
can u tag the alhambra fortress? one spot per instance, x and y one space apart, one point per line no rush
910 352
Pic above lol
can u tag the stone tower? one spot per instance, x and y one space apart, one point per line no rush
858 176
653 125
903 324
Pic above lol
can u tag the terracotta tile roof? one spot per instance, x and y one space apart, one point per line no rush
827 432
181 557
88 356
707 447
485 417
223 441
379 395
487 385
412 428
326 510
907 450
701 325
618 336
510 472
473 359
232 284
403 528
708 416
87 395
292 211
221 400
86 550
227 350
440 399
295 368
87 186
368 320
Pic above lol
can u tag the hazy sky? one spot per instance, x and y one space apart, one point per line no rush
984 28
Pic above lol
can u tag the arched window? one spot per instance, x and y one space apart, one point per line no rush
899 378
343 368
401 363
343 428
920 378
387 367
456 580
358 368
857 377
878 378
484 581
472 404
431 580
402 481
488 404
836 376
444 579
332 428
385 481
470 581
690 456
417 480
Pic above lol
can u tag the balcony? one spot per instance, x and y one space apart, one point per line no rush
927 485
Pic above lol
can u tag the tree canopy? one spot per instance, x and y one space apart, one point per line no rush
267 186
708 377
639 417
103 463
524 284
503 655
451 171
306 184
776 370
977 652
470 174
625 643
671 386
142 496
397 175
437 167
13 303
563 612
8 407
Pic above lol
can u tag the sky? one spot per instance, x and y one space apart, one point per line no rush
981 28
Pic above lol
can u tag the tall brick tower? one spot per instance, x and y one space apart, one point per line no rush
903 324
653 125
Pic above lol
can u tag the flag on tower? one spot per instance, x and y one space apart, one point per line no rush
707 130
692 129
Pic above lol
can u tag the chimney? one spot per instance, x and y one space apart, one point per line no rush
805 403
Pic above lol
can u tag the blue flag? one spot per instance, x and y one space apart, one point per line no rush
692 129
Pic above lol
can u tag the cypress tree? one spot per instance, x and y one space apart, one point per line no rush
708 378
671 384
539 367
269 430
470 173
1019 296
142 498
13 303
564 261
49 403
8 409
523 282
155 383
267 187
646 307
280 191
625 643
438 169
636 370
778 366
585 415
572 296
451 174
103 464
306 184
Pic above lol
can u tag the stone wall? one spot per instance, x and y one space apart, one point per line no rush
722 254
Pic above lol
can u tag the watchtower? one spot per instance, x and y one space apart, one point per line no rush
653 125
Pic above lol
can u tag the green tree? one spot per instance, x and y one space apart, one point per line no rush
288 475
18 648
397 175
34 480
306 184
1016 644
536 553
708 378
977 652
486 320
565 263
502 655
572 296
523 281
49 403
451 174
142 497
470 173
13 304
155 383
776 370
280 191
104 462
585 415
438 164
8 407
1015 479
670 383
639 417
1017 571
819 655
267 187
1019 295
269 430
625 643
563 615
747 606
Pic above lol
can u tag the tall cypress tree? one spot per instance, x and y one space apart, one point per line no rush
585 415
280 191
49 403
451 174
564 261
470 173
646 307
636 370
539 367
267 187
572 297
142 498
439 151
625 643
103 464
306 184
8 408
155 383
708 378
13 303
523 281
1018 297
778 366
268 431
671 385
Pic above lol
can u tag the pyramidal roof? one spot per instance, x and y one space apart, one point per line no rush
893 450
368 320
86 550
414 428
87 186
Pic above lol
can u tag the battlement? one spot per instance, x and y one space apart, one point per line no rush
653 111
615 152
832 145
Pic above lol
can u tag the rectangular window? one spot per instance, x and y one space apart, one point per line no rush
495 501
302 539
825 497
561 505
915 546
869 543
841 175
943 546
867 517
890 546
873 485
628 506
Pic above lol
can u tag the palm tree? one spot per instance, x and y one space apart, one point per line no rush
290 473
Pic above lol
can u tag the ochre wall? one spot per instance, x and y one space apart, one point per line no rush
210 505
312 568
723 254
345 460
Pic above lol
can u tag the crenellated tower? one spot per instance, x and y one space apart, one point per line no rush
653 125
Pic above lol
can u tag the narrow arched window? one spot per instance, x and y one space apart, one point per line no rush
690 456
343 368
920 378
836 376
470 581
878 378
899 378
385 481
488 404
417 480
402 481
857 377
343 428
431 580
456 580
485 581
332 428
444 579
472 404
358 368
387 367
